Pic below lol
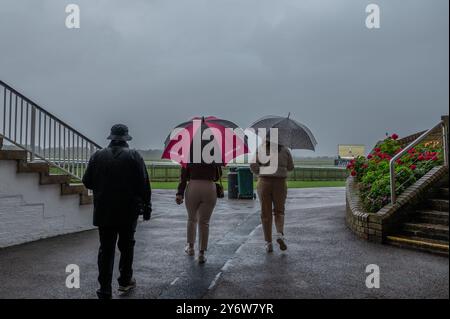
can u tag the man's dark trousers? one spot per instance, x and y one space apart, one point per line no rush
124 237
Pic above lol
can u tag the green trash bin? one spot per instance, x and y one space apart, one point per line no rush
245 183
232 183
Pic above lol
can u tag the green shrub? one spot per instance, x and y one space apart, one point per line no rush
372 173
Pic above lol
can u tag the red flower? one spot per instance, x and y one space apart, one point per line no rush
399 162
365 166
394 136
434 158
421 157
377 150
353 173
413 167
412 151
370 156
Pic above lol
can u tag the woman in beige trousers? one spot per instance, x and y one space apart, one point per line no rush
197 188
272 193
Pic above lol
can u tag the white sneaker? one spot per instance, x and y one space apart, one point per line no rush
269 247
201 258
189 250
281 241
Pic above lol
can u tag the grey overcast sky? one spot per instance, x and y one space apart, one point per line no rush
154 63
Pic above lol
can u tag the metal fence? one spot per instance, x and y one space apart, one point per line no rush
45 137
171 173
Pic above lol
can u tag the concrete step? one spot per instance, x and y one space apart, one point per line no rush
13 155
33 167
438 204
443 191
72 189
77 189
49 179
439 193
45 178
86 199
424 230
444 182
432 217
418 243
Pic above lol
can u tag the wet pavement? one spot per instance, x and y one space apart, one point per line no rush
324 259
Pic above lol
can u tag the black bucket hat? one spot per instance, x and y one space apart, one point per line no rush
119 132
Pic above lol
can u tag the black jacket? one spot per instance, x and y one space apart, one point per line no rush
121 186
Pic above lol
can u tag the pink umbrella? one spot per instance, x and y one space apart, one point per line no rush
226 137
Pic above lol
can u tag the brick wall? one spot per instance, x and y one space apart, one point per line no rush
376 226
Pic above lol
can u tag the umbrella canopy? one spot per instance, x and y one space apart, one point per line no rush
291 133
223 139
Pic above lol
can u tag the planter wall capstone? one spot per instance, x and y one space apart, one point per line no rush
376 226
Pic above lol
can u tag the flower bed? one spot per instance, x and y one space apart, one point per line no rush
372 172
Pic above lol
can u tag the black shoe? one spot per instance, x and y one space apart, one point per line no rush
103 295
127 288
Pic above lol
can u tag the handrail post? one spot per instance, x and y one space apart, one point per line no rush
393 180
33 132
445 138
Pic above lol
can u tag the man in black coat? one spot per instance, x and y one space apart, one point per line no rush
120 183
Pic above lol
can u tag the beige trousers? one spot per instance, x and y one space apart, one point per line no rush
272 193
200 198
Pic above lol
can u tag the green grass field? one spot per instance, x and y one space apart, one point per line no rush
166 177
291 184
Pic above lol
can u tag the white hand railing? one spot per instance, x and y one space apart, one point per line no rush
45 137
443 126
